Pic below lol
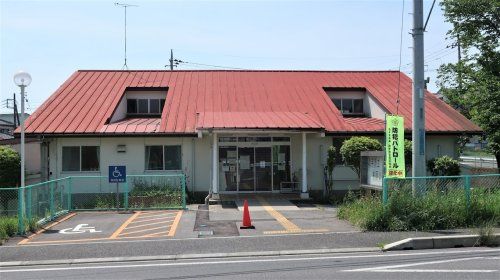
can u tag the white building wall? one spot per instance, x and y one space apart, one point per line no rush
196 159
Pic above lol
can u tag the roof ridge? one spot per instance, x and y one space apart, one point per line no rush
249 70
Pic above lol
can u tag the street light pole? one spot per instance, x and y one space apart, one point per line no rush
22 136
22 80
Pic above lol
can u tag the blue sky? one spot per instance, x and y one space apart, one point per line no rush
52 39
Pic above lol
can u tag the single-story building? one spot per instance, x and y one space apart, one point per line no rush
228 131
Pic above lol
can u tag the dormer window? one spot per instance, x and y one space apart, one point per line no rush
143 106
355 102
349 106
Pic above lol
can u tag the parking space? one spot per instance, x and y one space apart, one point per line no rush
275 216
107 226
270 216
149 224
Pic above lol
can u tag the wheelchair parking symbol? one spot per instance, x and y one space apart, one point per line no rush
117 173
81 228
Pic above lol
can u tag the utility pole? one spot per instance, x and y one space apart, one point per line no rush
418 106
171 60
16 115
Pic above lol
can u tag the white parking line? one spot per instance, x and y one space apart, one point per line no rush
197 263
394 268
436 270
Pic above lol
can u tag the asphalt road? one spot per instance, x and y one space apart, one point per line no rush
470 263
166 246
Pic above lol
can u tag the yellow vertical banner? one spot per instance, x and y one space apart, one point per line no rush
394 147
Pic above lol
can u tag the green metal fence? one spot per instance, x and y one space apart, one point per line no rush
461 188
46 201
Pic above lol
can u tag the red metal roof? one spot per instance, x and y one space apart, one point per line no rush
256 120
132 125
85 103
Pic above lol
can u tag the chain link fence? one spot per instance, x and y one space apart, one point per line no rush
43 202
465 189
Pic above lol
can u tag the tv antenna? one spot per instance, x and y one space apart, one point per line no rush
125 6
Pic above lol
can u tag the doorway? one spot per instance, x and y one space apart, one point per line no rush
253 166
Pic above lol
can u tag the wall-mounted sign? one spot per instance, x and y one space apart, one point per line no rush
394 147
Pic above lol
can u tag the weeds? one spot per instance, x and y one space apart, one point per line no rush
437 209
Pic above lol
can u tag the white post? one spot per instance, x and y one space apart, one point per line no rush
215 167
22 136
304 194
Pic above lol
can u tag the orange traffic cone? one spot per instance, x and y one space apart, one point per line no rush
247 222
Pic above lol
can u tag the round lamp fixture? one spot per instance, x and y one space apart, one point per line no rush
22 78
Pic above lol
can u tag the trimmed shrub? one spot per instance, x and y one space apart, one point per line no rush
352 148
443 166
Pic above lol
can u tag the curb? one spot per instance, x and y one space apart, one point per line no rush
440 242
190 256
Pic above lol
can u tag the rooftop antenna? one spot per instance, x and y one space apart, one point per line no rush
125 6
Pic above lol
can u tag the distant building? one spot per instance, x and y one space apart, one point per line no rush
7 125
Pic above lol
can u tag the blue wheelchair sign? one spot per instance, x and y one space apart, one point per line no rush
117 174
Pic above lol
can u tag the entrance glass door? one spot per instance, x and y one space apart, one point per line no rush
263 169
227 168
246 159
281 165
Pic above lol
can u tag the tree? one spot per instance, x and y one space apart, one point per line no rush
352 148
10 175
472 85
10 167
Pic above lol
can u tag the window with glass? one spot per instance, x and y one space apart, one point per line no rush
145 106
154 106
164 157
132 106
80 158
349 106
142 106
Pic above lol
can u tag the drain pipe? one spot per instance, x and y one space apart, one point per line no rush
208 196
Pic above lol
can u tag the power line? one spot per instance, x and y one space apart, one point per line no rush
429 15
215 66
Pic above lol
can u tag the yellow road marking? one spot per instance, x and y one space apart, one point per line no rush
124 225
143 230
287 224
24 241
149 220
295 231
149 224
152 216
118 234
172 230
